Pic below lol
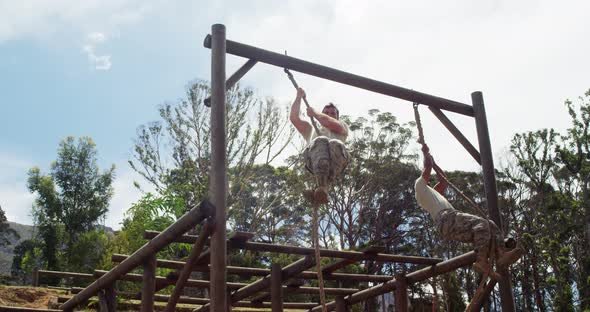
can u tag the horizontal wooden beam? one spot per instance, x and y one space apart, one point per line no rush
24 309
414 277
202 301
304 251
65 274
131 277
283 61
244 271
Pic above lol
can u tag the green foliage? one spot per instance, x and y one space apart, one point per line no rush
70 202
26 257
5 230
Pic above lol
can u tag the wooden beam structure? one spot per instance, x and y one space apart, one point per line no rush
181 226
284 61
305 251
224 294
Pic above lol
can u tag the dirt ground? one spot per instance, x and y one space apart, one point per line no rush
27 296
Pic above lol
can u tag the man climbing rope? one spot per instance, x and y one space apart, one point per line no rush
325 154
458 226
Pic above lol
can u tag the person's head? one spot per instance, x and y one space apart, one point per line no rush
331 110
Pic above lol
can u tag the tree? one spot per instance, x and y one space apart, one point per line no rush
71 199
574 155
5 230
173 154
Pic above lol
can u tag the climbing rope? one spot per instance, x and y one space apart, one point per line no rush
316 243
440 172
290 75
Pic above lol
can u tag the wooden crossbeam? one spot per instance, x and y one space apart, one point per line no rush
371 251
245 271
232 286
304 251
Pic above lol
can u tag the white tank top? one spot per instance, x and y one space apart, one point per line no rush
429 199
323 131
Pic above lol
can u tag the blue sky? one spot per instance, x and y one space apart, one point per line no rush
101 68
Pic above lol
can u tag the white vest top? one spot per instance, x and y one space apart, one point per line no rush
429 199
323 131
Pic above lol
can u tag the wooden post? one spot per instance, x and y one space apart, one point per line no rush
111 298
149 284
489 179
188 267
341 304
218 180
35 278
401 293
276 287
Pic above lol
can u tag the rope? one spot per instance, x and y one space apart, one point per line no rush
439 171
290 75
316 243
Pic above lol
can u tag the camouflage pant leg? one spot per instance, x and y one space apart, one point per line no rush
338 158
463 227
326 159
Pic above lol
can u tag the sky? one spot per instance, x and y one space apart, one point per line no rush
101 68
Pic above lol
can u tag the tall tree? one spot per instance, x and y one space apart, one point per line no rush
574 154
71 199
173 154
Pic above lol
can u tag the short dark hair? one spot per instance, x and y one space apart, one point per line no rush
336 108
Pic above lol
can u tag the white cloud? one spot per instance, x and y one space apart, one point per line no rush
15 198
50 18
98 62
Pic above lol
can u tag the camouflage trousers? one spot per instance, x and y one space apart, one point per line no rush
467 228
326 159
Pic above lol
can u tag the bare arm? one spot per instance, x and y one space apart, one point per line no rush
301 125
326 121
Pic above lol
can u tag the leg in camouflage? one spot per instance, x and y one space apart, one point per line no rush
326 159
463 227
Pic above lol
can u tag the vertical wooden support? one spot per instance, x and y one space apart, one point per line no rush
35 278
148 284
401 293
489 180
111 298
276 287
341 304
218 180
188 267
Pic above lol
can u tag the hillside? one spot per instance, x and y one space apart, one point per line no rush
6 252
